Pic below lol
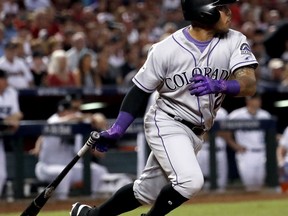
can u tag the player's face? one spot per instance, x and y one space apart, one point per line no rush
223 25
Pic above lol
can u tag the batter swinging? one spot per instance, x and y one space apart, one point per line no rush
192 70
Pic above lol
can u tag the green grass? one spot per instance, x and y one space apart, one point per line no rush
251 208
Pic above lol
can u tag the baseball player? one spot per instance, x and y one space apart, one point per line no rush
192 70
282 159
250 145
56 152
10 115
221 157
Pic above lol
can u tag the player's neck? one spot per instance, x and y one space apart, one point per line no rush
200 34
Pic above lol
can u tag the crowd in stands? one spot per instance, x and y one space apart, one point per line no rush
82 43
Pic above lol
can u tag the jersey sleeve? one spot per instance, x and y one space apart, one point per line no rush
242 54
150 76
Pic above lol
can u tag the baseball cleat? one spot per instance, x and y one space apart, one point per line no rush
143 215
79 209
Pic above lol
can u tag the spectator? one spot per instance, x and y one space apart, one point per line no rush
250 145
76 11
116 47
32 5
78 49
170 4
251 10
275 78
54 43
248 29
107 73
10 115
85 74
58 71
132 58
63 150
282 159
20 51
38 46
131 31
221 158
9 28
2 40
24 37
127 80
10 6
43 20
259 51
38 69
19 75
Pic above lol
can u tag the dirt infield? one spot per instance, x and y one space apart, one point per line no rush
204 197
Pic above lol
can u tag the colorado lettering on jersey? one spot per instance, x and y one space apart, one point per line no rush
180 79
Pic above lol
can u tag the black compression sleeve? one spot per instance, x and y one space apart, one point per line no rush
135 102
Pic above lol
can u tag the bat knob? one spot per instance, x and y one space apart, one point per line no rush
94 135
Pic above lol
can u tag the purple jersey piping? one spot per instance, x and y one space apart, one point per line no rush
143 87
194 66
250 63
211 51
209 54
164 146
185 49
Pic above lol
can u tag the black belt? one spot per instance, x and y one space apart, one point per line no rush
198 130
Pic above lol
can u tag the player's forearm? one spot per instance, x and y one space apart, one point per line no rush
133 105
247 81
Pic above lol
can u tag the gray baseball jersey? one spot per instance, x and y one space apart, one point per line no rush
173 61
169 66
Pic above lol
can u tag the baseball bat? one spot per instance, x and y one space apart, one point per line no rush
36 205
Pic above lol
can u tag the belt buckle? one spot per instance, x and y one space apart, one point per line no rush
177 118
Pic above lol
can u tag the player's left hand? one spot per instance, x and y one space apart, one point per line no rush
202 85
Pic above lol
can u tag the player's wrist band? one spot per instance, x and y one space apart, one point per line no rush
122 122
232 87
